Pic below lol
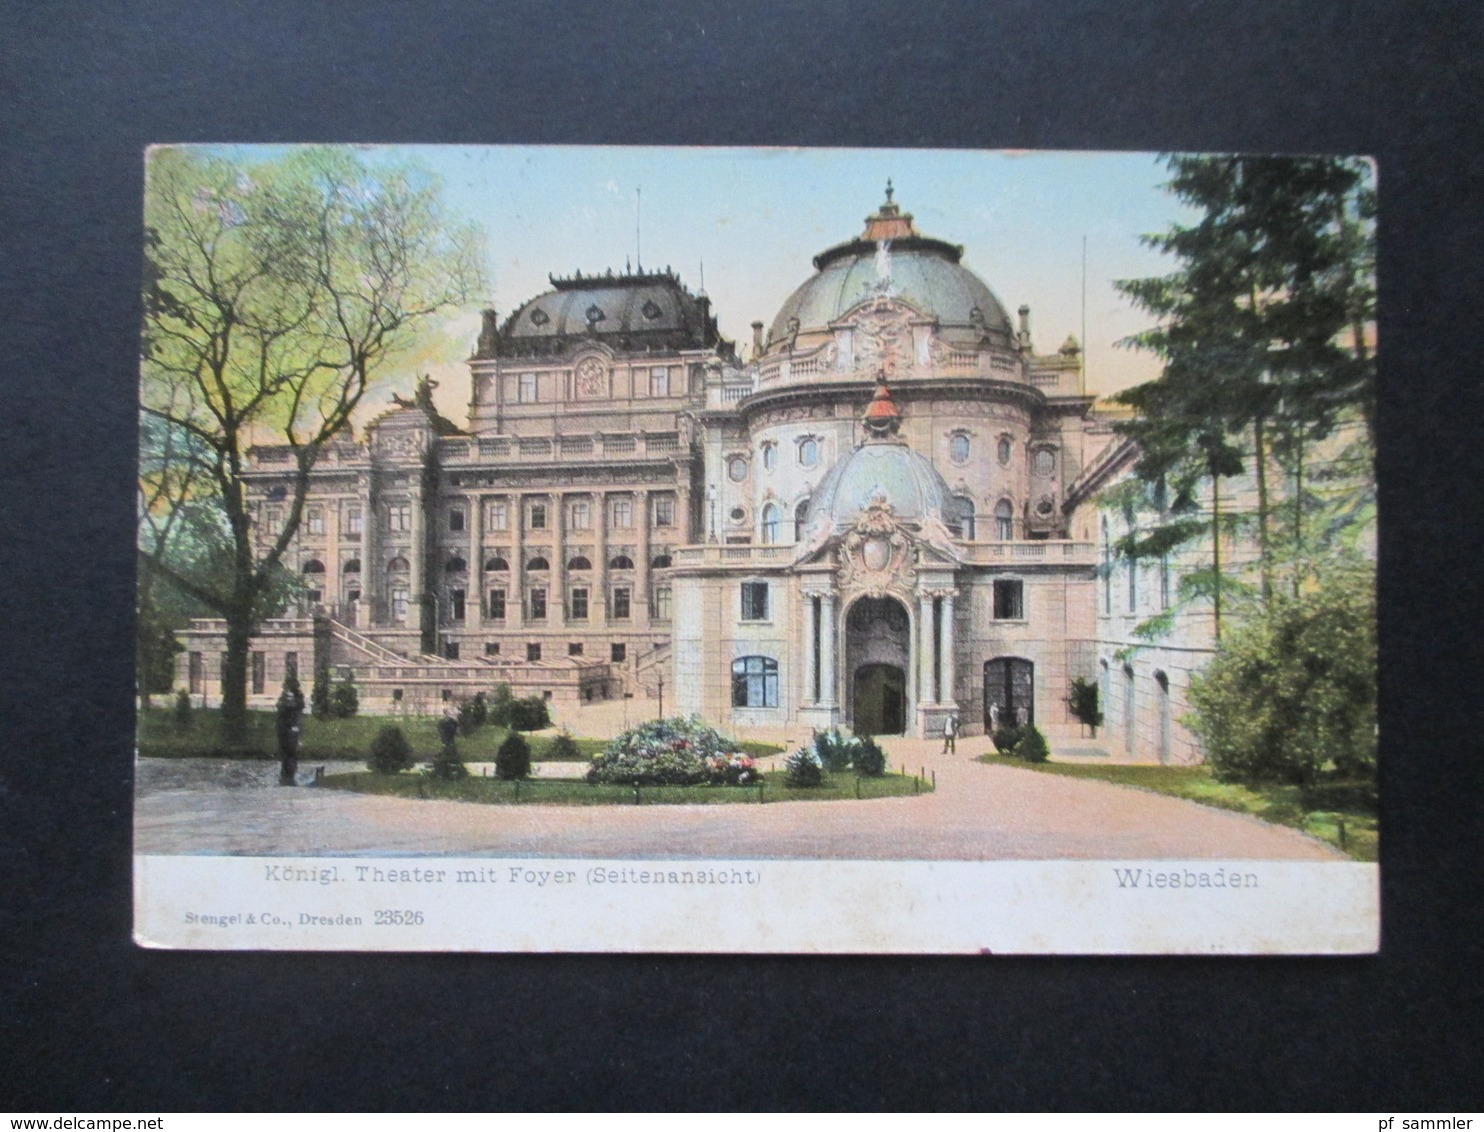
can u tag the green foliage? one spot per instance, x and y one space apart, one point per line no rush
320 697
1006 737
870 759
528 714
447 765
837 751
803 768
513 759
1291 695
675 752
563 748
1082 701
498 710
183 709
1032 746
345 701
391 753
473 713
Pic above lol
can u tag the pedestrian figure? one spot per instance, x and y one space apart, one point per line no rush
994 718
290 711
448 730
950 735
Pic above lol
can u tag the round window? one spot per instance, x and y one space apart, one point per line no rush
738 514
737 469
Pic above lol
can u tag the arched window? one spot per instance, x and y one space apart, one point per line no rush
962 520
497 563
755 682
801 519
770 456
456 565
352 567
770 522
808 452
314 566
1107 569
958 447
1004 520
660 562
397 570
538 563
620 562
1004 450
398 565
579 563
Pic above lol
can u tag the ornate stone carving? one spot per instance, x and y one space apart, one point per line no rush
876 555
883 340
592 378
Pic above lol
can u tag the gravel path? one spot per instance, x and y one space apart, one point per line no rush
979 812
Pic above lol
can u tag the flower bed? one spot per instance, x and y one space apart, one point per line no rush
673 752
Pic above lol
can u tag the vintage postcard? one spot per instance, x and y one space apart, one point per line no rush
706 550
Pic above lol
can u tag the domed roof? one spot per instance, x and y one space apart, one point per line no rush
892 258
639 310
886 468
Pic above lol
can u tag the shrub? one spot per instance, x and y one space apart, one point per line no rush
834 749
183 709
1291 695
870 759
1032 746
345 701
447 765
672 752
564 748
319 696
472 714
1006 738
513 759
528 714
497 712
391 753
1082 700
803 768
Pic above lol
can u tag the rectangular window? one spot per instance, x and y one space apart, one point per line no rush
620 603
1164 581
399 606
659 381
498 515
755 682
533 651
538 604
197 672
456 604
290 664
451 650
660 610
314 520
497 605
579 605
1133 586
491 648
528 389
621 513
274 520
574 648
399 517
1009 601
664 511
353 519
616 653
537 516
579 515
455 519
754 601
259 673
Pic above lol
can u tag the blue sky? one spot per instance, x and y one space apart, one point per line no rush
756 217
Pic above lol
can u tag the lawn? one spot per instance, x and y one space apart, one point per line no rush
325 739
575 792
1281 805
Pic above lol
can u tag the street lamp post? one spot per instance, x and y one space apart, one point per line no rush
661 683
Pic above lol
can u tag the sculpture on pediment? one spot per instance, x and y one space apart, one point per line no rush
882 340
876 553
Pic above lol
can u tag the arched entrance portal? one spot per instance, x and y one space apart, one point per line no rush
877 653
1009 692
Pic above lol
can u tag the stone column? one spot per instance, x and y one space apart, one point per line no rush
682 509
947 691
515 599
417 571
827 636
926 682
811 655
597 598
371 565
474 593
639 606
556 595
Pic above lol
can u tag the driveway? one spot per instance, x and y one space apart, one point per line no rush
978 813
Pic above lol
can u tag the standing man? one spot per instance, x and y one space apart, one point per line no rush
290 711
950 735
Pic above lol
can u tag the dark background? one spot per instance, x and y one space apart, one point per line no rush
87 1021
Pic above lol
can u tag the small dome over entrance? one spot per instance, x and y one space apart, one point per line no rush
882 467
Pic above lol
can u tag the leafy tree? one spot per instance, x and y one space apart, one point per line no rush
1032 746
513 758
1291 695
527 714
275 293
345 701
1262 331
391 753
319 695
1082 701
